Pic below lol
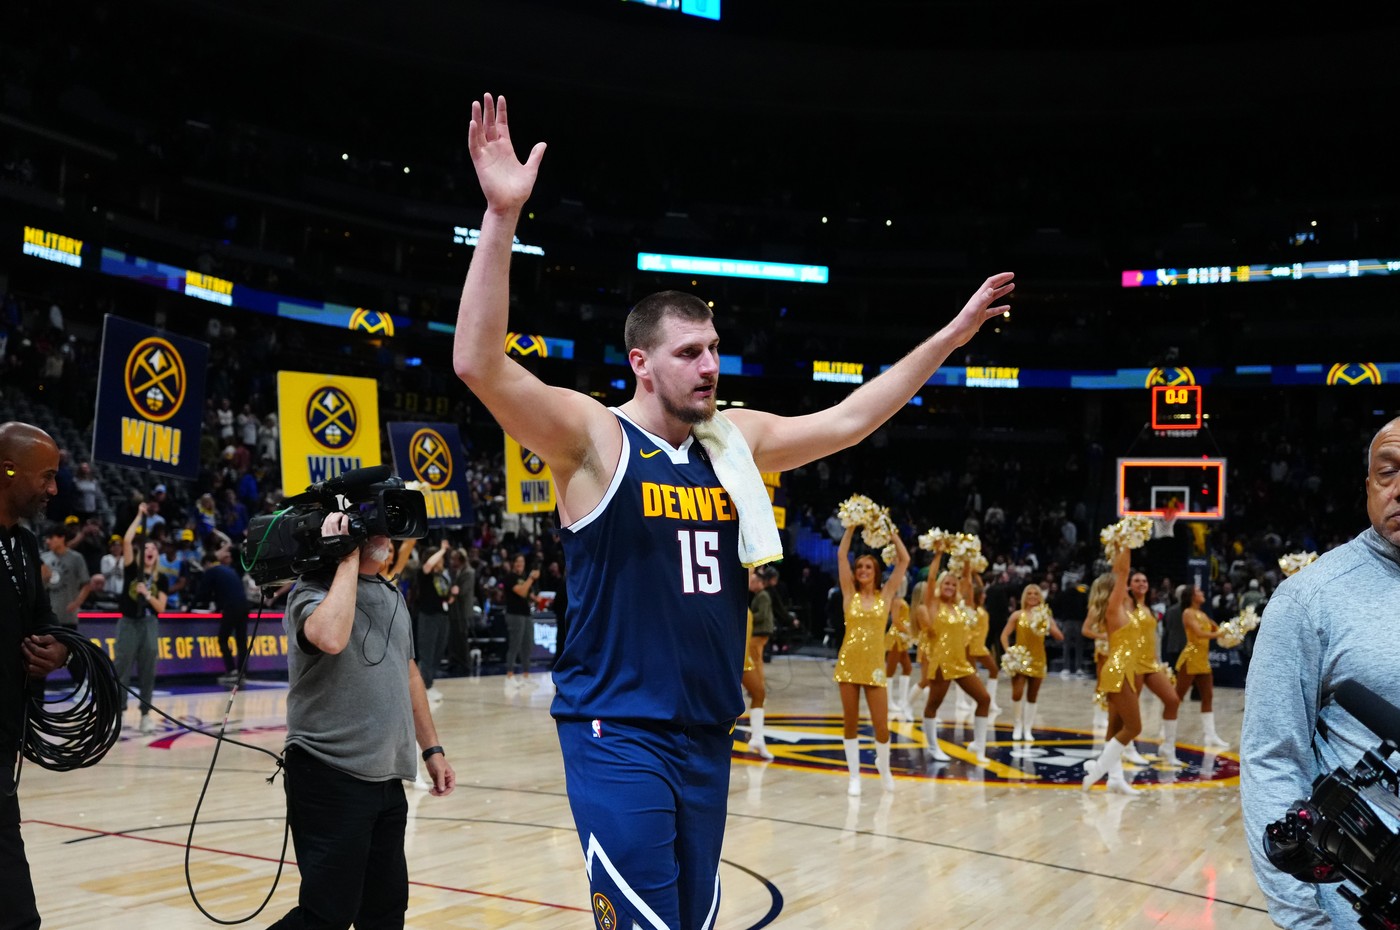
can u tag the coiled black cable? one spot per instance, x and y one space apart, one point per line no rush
76 729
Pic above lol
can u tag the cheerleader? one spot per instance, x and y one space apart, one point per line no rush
1117 675
1151 670
1092 628
977 651
944 626
898 667
760 628
1031 623
860 664
1193 666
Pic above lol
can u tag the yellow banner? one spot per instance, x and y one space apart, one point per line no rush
329 425
529 486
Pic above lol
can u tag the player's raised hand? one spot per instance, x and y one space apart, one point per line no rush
981 307
504 180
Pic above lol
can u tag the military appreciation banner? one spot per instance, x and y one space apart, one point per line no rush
329 425
431 454
150 399
529 485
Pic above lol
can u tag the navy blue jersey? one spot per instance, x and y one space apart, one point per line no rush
657 597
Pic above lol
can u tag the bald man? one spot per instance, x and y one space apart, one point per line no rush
1332 622
28 466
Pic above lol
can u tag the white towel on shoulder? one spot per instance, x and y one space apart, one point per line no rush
733 462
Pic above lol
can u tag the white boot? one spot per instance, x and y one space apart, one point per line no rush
978 746
963 706
1107 761
1016 711
756 744
1131 754
906 703
853 765
992 685
893 684
882 765
1212 740
1117 783
918 697
934 750
1028 723
1167 749
1100 725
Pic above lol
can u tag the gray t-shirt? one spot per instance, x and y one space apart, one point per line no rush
69 572
1334 621
352 711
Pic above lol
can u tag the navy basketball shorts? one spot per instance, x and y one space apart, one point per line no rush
649 801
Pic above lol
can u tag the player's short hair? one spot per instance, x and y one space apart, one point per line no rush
643 327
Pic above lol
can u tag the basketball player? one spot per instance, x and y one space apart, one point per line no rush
647 697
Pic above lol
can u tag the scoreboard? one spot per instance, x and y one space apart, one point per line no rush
1176 407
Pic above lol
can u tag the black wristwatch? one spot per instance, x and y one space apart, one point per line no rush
433 751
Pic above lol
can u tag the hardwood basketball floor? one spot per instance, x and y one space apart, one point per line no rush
1014 843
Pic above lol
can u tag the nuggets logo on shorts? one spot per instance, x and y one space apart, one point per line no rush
376 322
1354 373
430 458
604 913
526 345
155 379
331 418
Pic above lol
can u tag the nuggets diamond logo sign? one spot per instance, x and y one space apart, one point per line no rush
426 454
330 425
1348 373
430 458
525 345
155 379
150 396
529 485
375 322
331 418
1171 377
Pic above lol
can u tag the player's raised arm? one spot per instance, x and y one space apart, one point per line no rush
552 422
781 443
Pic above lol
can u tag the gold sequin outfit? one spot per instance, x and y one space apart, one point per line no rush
898 636
1035 645
1121 665
1195 658
945 649
977 639
748 656
1144 625
861 660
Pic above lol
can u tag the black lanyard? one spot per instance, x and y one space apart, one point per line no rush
16 576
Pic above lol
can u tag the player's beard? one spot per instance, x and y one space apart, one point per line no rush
688 414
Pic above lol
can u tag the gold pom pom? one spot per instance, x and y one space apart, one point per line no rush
1016 660
1295 562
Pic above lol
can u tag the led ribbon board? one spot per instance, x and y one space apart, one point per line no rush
733 268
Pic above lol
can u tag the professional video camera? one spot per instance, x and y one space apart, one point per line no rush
288 543
1338 834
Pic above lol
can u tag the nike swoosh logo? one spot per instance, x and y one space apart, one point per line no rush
647 455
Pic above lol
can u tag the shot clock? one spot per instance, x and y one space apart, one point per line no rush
1176 407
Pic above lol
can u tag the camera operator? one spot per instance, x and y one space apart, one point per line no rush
1328 624
355 704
